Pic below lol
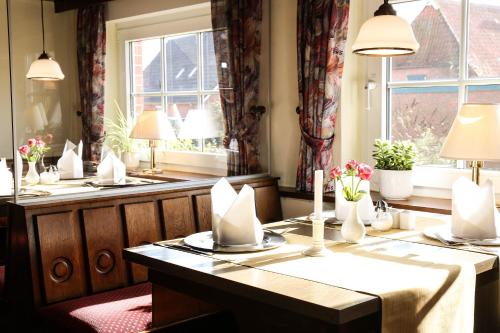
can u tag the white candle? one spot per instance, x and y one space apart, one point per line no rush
318 193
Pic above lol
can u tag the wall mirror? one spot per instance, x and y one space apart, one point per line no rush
158 81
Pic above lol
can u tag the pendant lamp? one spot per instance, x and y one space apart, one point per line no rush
45 68
385 35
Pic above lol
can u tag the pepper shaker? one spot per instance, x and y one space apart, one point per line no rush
383 219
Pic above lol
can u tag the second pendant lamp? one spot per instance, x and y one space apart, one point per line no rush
45 68
385 35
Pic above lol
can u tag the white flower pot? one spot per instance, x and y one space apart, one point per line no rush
131 160
396 184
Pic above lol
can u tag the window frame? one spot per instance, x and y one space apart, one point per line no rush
433 181
164 94
170 22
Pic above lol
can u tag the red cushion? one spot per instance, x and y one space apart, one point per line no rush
2 279
126 310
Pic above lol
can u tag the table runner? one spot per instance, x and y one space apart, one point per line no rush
420 292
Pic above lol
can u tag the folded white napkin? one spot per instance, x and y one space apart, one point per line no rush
111 170
234 221
70 164
474 213
366 209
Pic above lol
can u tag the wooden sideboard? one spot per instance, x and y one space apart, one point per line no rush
63 248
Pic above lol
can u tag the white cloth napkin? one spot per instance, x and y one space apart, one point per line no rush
234 221
111 170
365 206
474 213
70 164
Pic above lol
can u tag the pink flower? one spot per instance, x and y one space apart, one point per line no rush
40 143
31 142
351 165
49 137
24 150
336 172
365 172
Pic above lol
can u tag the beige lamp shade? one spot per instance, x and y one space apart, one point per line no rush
475 134
198 125
153 125
386 36
45 69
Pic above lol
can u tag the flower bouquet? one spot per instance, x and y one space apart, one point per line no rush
33 151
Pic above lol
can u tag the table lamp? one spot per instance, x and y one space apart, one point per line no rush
474 136
198 125
153 126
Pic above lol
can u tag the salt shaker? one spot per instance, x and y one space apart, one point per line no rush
383 219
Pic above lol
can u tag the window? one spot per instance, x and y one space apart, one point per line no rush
177 74
458 62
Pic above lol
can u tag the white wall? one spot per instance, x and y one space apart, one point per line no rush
5 113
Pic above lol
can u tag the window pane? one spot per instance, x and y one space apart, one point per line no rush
483 94
178 108
146 66
146 103
181 56
484 38
210 81
437 29
214 130
424 117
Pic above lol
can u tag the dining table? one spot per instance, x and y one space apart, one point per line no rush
396 280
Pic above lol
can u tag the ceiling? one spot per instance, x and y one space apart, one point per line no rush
64 5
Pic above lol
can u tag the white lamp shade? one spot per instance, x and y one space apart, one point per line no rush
385 36
475 134
198 125
153 125
45 69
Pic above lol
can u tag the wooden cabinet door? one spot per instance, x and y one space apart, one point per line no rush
143 227
268 204
178 217
104 239
203 204
61 256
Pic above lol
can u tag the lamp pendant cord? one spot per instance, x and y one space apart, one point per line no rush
43 26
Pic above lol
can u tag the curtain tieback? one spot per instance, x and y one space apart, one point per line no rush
317 144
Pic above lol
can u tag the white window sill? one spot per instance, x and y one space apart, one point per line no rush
196 162
437 182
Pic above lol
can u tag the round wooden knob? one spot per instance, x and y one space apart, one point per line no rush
105 261
61 270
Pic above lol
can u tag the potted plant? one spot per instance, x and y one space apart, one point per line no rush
353 228
394 163
117 138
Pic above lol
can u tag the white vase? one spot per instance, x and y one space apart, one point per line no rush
131 160
32 176
353 229
366 209
396 184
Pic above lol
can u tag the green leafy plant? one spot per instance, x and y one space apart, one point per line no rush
117 132
399 155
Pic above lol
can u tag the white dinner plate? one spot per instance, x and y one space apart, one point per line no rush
445 232
204 241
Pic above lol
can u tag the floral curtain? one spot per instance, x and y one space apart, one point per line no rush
237 40
321 37
91 44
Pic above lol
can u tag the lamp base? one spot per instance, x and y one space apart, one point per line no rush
154 171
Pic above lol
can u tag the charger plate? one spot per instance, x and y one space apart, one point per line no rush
445 232
204 241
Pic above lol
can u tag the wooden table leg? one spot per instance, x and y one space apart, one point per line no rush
170 306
